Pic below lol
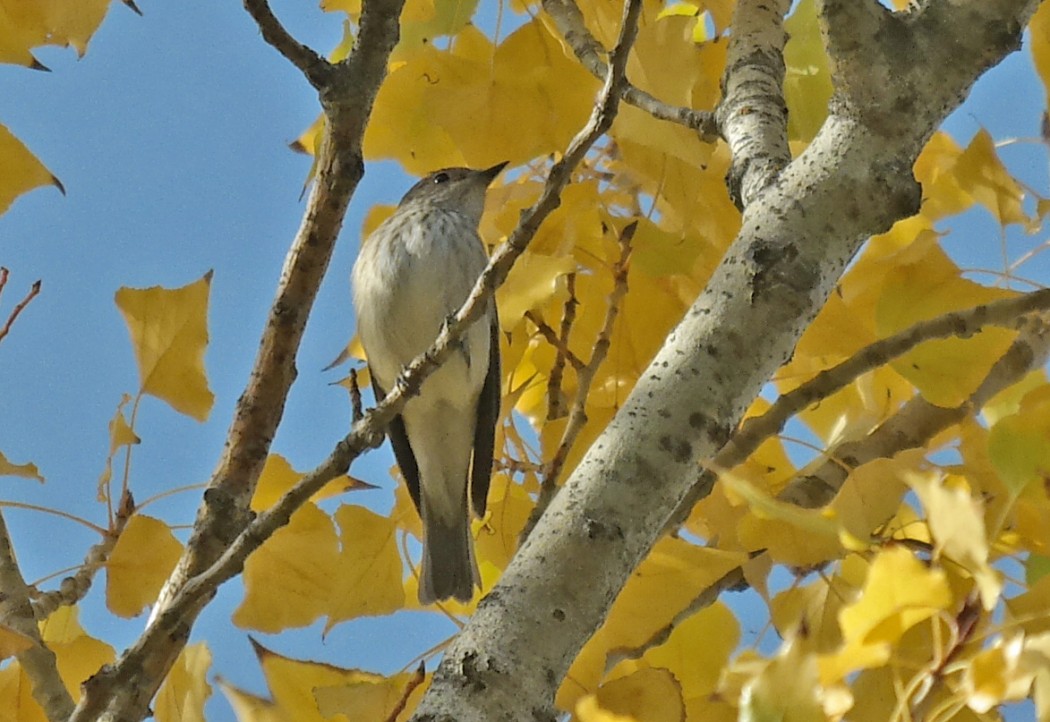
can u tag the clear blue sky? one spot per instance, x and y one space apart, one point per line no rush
170 137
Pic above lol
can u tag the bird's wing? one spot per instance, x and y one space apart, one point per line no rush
406 459
485 428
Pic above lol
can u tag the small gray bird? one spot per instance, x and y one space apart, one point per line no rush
414 272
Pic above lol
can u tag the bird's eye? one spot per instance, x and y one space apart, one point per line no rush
441 177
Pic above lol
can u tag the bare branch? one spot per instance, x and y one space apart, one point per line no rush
1008 312
912 427
753 114
554 380
584 380
918 420
74 588
569 21
316 69
34 291
554 340
38 661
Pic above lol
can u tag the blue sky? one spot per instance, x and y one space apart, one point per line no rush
170 137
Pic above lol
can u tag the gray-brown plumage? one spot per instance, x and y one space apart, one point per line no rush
413 272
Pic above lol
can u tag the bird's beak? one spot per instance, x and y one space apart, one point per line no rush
489 174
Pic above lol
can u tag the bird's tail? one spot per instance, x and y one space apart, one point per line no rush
449 566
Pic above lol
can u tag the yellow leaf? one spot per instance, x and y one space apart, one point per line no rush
368 579
588 709
12 642
787 689
697 650
185 690
533 280
278 477
169 332
248 707
1018 444
648 695
508 509
26 471
982 174
807 82
899 593
141 561
956 523
26 24
660 588
946 371
78 655
372 697
935 170
120 435
1039 44
22 171
288 581
293 683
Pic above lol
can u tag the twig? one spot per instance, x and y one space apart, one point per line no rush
417 679
38 661
34 291
584 379
551 337
357 408
753 113
569 22
1007 312
554 380
316 68
74 588
911 427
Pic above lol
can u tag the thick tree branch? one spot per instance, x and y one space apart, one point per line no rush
1007 312
38 661
753 114
853 181
569 22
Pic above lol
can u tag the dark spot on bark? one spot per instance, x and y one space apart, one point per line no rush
696 420
559 615
599 530
680 449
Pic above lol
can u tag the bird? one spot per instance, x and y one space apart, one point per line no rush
412 274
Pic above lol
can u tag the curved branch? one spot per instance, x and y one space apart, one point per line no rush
1008 312
569 22
313 66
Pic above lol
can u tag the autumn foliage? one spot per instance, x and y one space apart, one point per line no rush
904 578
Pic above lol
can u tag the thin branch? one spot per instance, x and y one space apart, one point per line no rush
34 291
584 380
74 588
911 427
1008 312
554 380
38 661
121 692
569 22
316 68
551 337
753 113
